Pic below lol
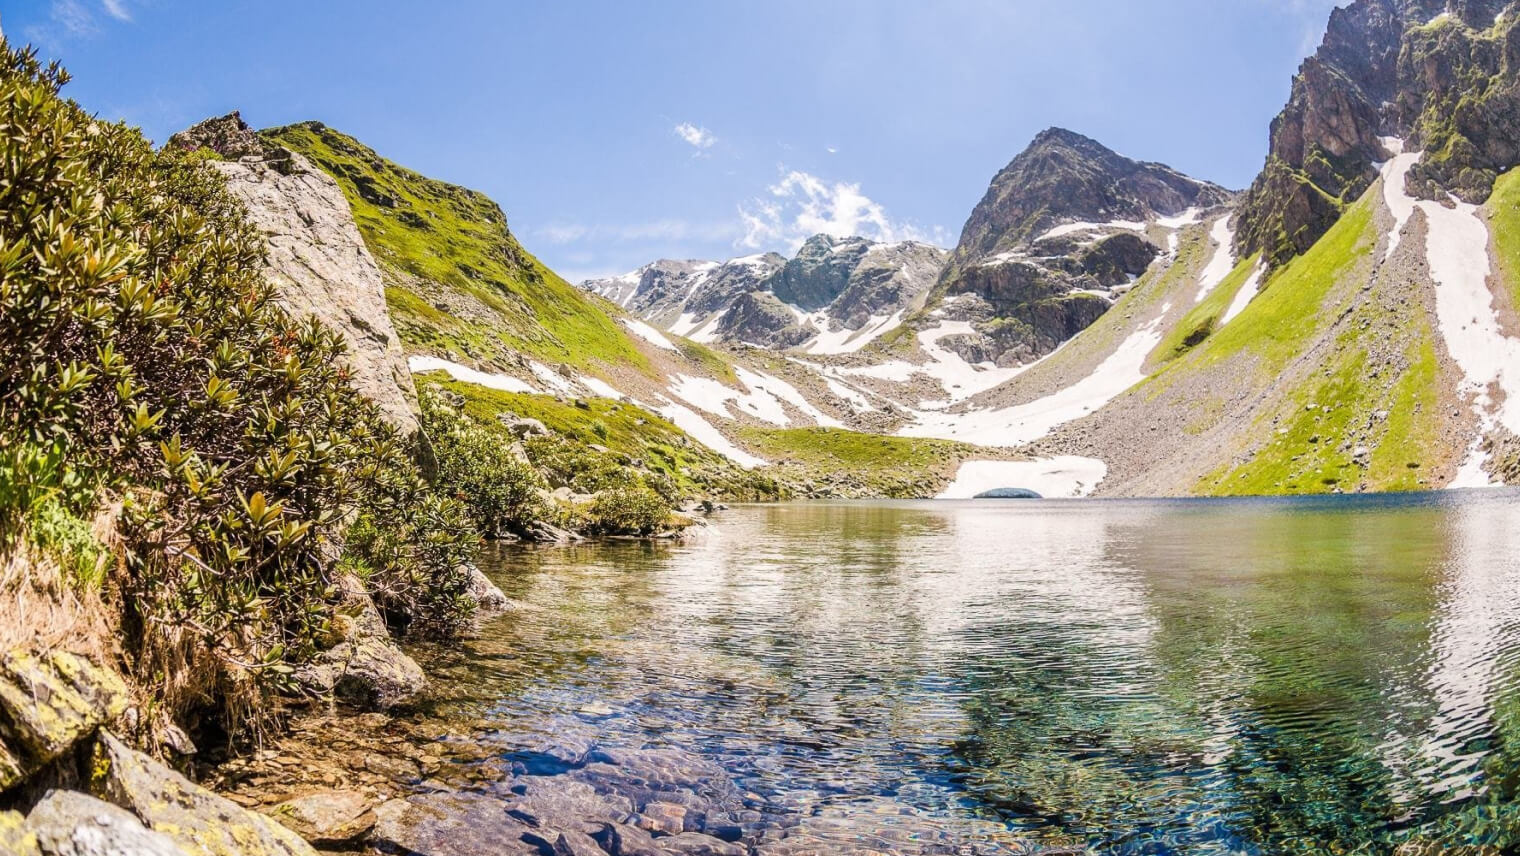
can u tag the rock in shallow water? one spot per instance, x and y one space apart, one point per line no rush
451 824
327 817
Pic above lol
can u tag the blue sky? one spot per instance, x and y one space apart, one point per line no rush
613 133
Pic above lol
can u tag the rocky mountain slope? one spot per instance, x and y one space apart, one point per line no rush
1062 231
1440 75
835 296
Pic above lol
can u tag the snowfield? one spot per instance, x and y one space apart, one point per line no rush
505 383
1222 262
648 334
1456 248
1025 423
1068 476
1243 297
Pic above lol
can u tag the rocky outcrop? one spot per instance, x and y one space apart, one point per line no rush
1063 178
317 259
50 703
196 819
1441 75
761 318
364 667
69 823
1063 230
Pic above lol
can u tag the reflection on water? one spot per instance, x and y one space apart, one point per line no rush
1258 676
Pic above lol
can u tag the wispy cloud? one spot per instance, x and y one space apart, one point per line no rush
76 19
801 205
696 136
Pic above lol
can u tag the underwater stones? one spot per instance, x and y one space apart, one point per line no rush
327 817
68 823
450 824
198 820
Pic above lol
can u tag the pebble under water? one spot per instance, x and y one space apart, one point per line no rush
1118 677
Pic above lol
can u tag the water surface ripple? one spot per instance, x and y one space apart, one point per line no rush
1156 677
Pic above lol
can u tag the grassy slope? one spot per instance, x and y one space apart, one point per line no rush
1503 211
1198 324
1304 437
627 431
455 239
861 464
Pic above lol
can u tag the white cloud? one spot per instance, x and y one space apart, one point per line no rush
699 138
802 205
75 19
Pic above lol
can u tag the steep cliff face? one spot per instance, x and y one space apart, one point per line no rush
316 259
1439 75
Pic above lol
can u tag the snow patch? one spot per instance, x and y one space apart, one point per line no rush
1072 228
1025 423
763 400
1456 248
552 379
1055 478
847 341
1186 218
648 334
703 432
1243 297
1223 260
505 383
600 387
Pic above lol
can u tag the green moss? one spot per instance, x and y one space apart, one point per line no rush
454 239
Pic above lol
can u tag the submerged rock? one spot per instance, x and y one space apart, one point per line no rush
327 817
200 821
68 823
445 824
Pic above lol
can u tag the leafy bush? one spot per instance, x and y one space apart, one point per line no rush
142 353
627 511
480 469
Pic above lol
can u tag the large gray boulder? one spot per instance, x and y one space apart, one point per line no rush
317 259
198 820
68 823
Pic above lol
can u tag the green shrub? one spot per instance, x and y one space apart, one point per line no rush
481 470
627 511
142 354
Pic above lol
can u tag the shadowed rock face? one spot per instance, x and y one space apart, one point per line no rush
1440 75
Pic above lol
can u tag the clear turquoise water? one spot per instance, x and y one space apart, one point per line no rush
1253 676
